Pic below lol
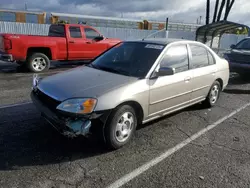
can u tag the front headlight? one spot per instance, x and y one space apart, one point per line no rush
78 105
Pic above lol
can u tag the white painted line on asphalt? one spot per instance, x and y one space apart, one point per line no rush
128 177
14 105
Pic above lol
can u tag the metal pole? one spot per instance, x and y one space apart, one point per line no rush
25 6
207 12
167 28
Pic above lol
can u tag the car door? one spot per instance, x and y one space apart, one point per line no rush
93 48
76 43
202 64
169 93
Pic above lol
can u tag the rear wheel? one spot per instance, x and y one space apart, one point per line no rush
213 95
120 127
38 62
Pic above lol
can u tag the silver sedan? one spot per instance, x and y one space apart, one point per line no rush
130 84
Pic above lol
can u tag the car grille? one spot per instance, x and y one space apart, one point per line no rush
47 100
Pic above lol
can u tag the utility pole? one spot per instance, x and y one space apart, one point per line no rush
229 6
166 27
207 12
223 2
216 10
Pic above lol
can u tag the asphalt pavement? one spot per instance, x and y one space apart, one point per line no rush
33 154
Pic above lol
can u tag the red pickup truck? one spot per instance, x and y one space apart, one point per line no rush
64 42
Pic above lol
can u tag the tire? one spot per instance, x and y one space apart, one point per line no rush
213 95
113 134
39 60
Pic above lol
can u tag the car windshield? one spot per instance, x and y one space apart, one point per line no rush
244 44
129 58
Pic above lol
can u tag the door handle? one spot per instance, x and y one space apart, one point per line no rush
187 79
88 42
71 41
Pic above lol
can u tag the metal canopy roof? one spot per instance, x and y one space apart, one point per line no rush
217 28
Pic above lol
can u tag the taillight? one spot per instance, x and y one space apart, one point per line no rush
7 44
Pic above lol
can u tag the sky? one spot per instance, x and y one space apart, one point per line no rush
177 10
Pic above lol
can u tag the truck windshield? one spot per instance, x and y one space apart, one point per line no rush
129 58
57 31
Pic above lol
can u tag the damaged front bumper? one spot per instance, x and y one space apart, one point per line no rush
70 126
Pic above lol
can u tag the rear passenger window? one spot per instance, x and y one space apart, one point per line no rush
75 32
199 56
211 60
176 57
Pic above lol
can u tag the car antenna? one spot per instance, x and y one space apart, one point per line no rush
153 34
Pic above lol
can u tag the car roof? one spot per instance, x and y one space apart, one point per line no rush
162 41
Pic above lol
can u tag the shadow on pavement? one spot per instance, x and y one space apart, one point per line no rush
32 142
237 80
237 91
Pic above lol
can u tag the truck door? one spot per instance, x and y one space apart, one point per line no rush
76 43
93 48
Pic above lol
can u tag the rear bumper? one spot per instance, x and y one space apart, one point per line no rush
6 57
239 67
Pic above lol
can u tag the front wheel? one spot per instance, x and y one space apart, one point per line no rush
213 95
38 62
120 127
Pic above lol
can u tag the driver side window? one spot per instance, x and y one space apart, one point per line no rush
176 57
91 33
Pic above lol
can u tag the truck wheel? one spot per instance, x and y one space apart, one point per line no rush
120 127
38 62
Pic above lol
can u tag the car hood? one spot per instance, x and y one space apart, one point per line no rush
82 82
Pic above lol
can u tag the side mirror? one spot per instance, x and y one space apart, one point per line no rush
166 71
99 38
232 46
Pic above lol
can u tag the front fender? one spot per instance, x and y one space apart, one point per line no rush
136 92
